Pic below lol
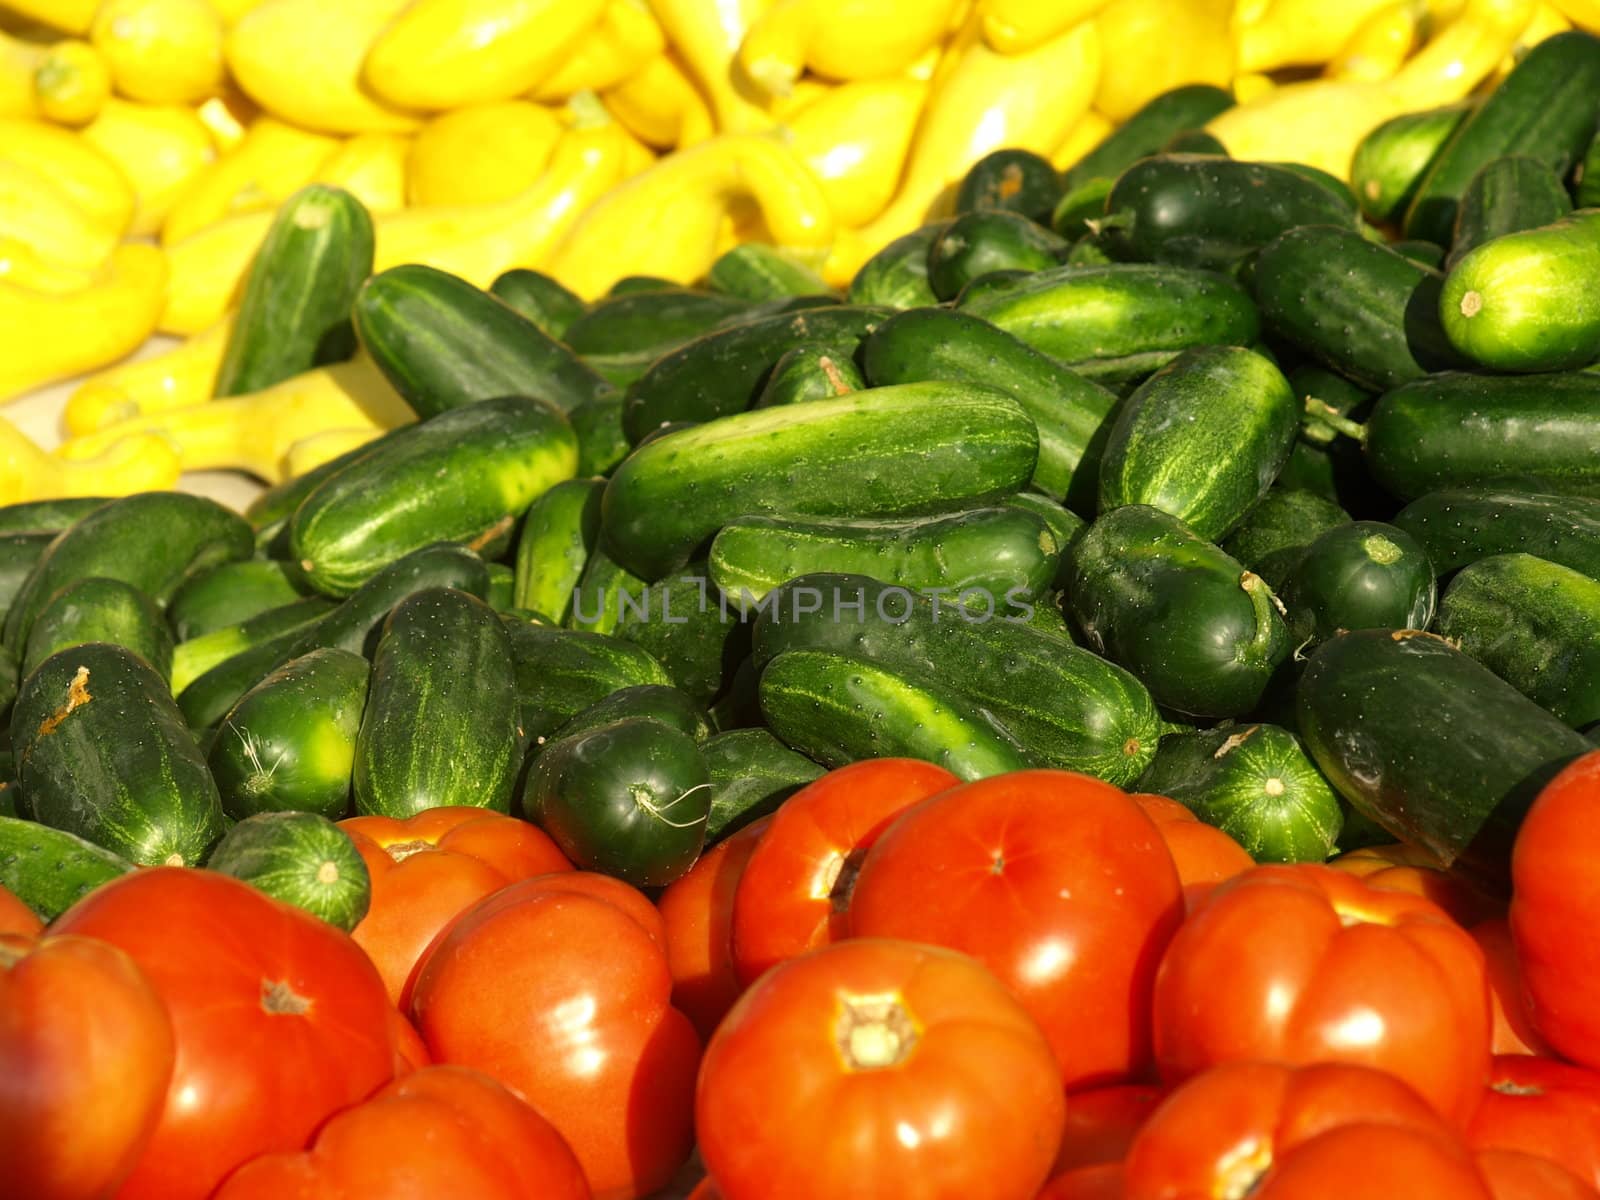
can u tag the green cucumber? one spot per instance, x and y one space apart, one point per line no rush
209 697
1068 707
721 372
1391 161
19 554
464 476
440 726
897 275
357 623
1586 177
1543 109
651 323
689 628
656 701
1148 130
1195 141
1458 527
502 582
193 658
103 752
1429 744
1508 195
561 672
1011 180
1526 301
1424 254
1356 307
540 299
1067 525
1197 629
976 243
47 516
1276 533
295 311
50 870
156 541
1536 624
752 773
232 593
601 442
559 532
10 679
269 512
629 799
888 451
100 610
1203 439
1003 552
299 858
756 272
1365 575
632 285
597 600
1070 413
1256 785
840 708
1080 210
1195 211
443 343
811 371
289 743
1118 321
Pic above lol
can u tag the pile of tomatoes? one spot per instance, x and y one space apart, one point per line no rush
1029 987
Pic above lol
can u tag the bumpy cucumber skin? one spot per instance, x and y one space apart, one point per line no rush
979 242
19 553
232 593
101 610
561 672
47 516
1366 575
50 870
559 532
656 701
1460 526
752 773
207 697
1509 195
897 276
539 298
757 272
1148 130
357 622
1391 161
811 371
687 627
660 321
1010 180
1275 534
299 858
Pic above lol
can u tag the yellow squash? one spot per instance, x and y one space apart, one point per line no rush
707 35
90 180
840 39
227 115
1585 14
46 336
69 16
160 51
626 37
19 61
660 105
372 168
855 140
1548 20
439 54
1092 129
301 61
231 10
181 377
71 83
135 464
22 265
319 449
668 221
1381 44
481 153
1300 32
1152 46
1017 26
160 148
273 161
37 212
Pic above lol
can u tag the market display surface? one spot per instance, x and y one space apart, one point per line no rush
764 599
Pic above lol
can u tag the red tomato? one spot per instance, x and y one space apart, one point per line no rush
410 1054
1056 882
1401 868
794 894
279 1019
1273 1132
1513 1026
17 917
1303 964
878 1068
427 869
440 1132
706 1189
85 1056
1555 908
697 911
1542 1107
559 988
1101 1123
1512 1175
1203 854
1103 1181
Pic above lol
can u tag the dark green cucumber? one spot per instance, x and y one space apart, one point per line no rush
1256 785
356 624
196 656
897 275
1118 321
752 773
207 699
1212 213
811 371
1197 629
232 593
50 870
1586 177
1326 458
444 344
740 706
690 628
840 708
1068 707
602 444
656 701
1424 254
1195 141
462 476
1075 211
1203 439
1011 180
1391 161
103 752
1544 109
1275 533
1070 413
721 373
559 532
1458 527
440 726
299 858
651 323
1067 525
10 679
156 541
597 600
631 285
544 301
1431 745
629 799
289 743
1002 552
1365 575
1148 130
561 672
1526 301
1357 307
502 584
1536 624
1508 195
269 512
100 610
754 271
19 554
295 311
47 516
976 243
888 451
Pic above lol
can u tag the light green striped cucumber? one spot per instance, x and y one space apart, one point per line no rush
558 534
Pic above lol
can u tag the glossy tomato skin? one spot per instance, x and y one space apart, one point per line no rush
878 1068
427 869
1059 884
1399 868
1103 1181
442 1131
1302 964
1203 854
1283 1133
1101 1123
1513 1175
17 917
794 894
85 1057
279 1019
558 987
1555 909
1513 1023
410 1052
1542 1107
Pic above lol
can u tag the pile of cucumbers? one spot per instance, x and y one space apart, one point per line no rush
1224 480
